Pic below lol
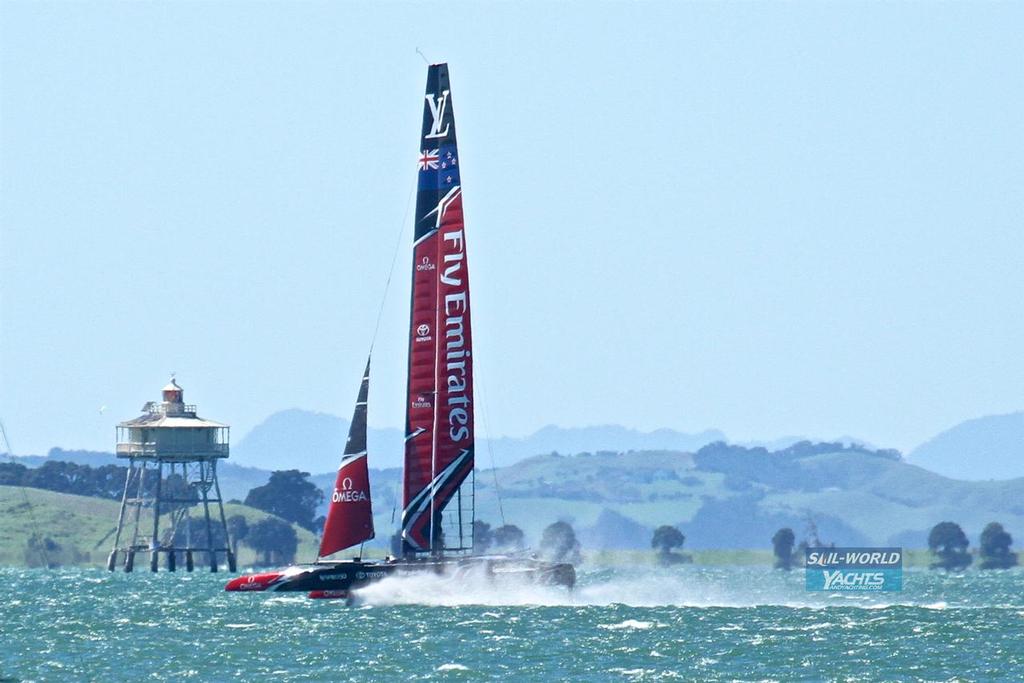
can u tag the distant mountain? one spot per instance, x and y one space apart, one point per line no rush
990 447
90 458
551 439
313 442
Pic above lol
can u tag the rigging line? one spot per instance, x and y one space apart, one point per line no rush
420 53
383 301
490 449
394 505
394 260
28 503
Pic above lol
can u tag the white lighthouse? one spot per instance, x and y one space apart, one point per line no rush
172 458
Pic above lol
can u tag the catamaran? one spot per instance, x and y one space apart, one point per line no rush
438 488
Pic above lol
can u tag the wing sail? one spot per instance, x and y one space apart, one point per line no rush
439 411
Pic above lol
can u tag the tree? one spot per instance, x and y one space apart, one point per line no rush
482 537
558 544
110 481
948 543
995 548
396 544
56 475
174 487
191 532
782 546
106 481
274 539
667 538
290 495
12 474
43 551
508 537
238 529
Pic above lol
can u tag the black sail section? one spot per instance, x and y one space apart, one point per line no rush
356 442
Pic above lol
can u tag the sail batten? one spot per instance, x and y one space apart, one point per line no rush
350 513
439 410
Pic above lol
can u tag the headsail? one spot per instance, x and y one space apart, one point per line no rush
350 515
439 410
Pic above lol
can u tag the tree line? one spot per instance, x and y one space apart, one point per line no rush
106 481
947 543
290 496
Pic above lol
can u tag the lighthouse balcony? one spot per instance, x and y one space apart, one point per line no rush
154 450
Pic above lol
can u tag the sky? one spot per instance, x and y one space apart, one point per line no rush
770 219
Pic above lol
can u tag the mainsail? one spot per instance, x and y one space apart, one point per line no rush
439 409
350 515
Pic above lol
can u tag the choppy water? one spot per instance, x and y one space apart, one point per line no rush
687 623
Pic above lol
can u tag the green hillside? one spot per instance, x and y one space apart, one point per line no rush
732 497
722 497
84 527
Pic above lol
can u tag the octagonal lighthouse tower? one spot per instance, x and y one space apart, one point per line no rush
172 458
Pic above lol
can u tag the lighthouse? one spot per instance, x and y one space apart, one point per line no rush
171 486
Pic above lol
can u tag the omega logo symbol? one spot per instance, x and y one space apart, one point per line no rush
346 484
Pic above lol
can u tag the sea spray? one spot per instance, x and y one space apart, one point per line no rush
644 587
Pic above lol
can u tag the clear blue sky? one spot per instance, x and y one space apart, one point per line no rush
770 219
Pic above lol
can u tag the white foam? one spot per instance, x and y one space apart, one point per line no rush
649 587
628 624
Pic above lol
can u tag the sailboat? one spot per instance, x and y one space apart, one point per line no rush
438 488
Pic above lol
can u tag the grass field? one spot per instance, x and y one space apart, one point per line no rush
84 527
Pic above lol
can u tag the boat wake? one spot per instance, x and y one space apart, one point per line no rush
652 590
698 588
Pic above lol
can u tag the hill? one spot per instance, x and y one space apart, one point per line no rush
567 441
990 447
721 496
84 526
733 497
312 442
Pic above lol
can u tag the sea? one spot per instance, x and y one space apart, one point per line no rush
686 623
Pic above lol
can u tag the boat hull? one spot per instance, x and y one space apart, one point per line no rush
337 579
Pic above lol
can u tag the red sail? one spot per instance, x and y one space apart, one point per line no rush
439 412
350 515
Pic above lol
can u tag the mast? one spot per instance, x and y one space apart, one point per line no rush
350 514
440 433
